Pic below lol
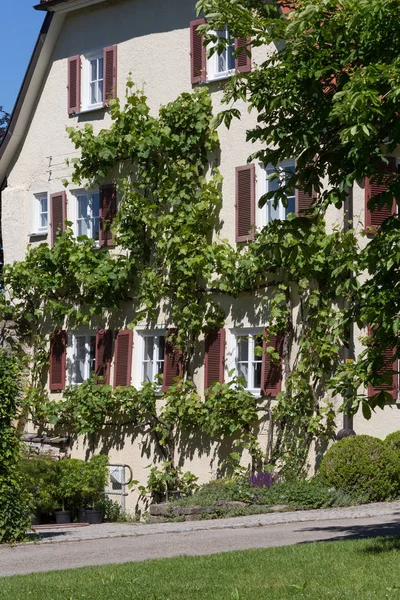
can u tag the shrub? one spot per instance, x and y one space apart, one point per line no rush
81 483
40 480
363 466
393 440
302 494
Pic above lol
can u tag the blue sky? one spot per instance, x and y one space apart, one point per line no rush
20 26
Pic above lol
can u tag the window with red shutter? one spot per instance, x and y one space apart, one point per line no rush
271 373
197 53
103 355
110 74
374 218
74 85
389 368
214 360
58 208
245 203
304 202
123 358
58 348
108 210
172 360
243 60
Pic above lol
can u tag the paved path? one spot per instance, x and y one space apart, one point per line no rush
118 543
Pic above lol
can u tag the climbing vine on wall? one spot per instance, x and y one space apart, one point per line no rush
169 256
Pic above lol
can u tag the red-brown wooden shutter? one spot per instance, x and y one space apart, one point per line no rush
245 203
197 53
304 202
58 348
58 207
243 60
108 210
110 73
271 373
374 218
172 361
214 360
390 363
103 355
123 358
74 85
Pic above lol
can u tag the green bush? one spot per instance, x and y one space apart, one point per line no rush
362 466
393 440
80 483
40 480
302 494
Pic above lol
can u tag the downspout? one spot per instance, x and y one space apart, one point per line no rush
348 349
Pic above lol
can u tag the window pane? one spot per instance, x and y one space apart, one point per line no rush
83 227
92 354
100 68
148 348
243 349
79 360
100 91
43 204
231 58
291 207
147 372
161 347
93 93
83 207
93 69
43 220
243 372
257 374
258 343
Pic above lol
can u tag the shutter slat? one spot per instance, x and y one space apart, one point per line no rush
390 363
271 373
214 360
245 203
123 358
172 361
74 85
58 348
110 74
374 218
243 60
103 355
58 206
108 210
197 53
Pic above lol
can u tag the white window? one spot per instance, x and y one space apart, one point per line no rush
87 212
222 65
93 80
248 358
285 170
41 214
83 357
152 356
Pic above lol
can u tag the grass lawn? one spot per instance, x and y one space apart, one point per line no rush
358 570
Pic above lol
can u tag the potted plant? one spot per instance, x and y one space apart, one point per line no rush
40 480
69 489
94 478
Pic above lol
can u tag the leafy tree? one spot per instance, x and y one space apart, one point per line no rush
329 95
4 119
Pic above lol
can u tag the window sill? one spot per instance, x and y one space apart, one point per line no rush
37 234
220 77
89 110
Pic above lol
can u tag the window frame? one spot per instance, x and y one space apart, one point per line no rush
251 333
213 74
86 80
264 220
141 335
72 353
76 195
37 228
